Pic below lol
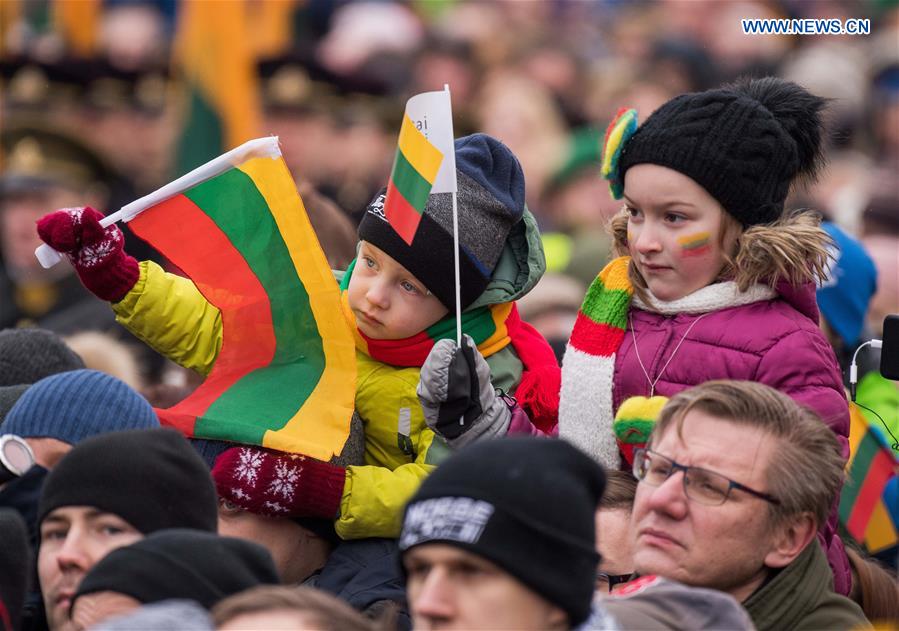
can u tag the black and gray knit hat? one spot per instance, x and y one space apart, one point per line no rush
744 143
490 200
526 504
152 478
29 355
182 563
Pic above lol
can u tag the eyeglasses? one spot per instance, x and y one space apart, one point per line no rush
605 582
703 486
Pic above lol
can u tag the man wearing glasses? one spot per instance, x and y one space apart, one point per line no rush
734 483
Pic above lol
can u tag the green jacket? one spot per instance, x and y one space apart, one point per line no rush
170 314
801 596
882 396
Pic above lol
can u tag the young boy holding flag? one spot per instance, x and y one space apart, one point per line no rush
396 296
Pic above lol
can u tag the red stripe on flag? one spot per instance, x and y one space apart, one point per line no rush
401 214
879 473
595 338
193 241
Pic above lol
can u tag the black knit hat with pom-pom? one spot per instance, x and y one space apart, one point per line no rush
745 143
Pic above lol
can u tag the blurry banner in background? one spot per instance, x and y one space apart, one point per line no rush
425 161
213 51
869 502
285 377
271 26
78 23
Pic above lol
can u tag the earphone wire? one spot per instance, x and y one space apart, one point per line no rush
895 445
853 380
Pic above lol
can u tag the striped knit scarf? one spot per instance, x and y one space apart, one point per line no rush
590 361
492 328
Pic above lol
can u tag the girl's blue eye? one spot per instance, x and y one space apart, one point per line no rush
409 287
368 261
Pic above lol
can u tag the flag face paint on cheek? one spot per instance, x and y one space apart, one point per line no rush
695 244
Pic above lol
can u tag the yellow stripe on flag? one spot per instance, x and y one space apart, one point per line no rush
271 26
421 154
858 427
880 533
326 414
78 22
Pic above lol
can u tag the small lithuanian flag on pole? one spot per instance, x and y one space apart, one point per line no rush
425 161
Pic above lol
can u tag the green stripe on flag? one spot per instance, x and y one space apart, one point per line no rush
410 183
202 138
235 204
858 471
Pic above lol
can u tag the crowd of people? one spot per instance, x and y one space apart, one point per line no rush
673 238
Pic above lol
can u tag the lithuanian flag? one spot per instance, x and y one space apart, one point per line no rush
285 375
213 50
869 503
425 161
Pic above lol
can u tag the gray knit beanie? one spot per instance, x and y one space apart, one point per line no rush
29 355
75 405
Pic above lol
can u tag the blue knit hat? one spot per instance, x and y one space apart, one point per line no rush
844 297
75 405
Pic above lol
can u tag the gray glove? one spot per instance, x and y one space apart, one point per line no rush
459 401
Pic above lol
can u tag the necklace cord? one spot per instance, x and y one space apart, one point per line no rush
652 384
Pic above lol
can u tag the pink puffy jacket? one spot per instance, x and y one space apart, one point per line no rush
776 342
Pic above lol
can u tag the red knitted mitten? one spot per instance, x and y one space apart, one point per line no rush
96 253
274 483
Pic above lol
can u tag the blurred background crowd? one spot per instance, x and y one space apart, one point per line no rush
106 100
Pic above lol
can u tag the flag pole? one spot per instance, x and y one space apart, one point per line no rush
259 148
456 263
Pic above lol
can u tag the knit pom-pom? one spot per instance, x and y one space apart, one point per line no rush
618 132
799 113
634 422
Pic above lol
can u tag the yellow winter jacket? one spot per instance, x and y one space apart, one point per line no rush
169 314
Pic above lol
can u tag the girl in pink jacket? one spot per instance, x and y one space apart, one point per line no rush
716 280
